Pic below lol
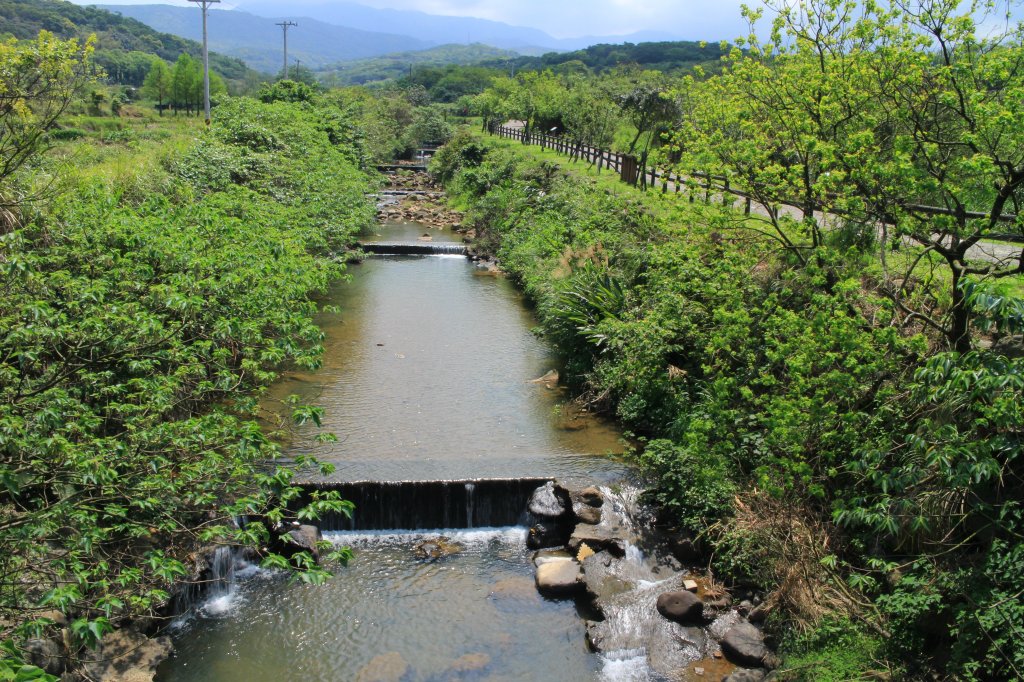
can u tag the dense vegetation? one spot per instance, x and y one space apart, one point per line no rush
124 47
833 408
657 56
150 293
418 63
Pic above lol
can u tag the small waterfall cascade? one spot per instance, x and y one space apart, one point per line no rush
470 489
214 592
636 643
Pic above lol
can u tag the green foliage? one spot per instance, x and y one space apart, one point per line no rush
834 651
139 330
285 91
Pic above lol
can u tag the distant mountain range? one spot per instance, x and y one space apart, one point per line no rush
332 32
437 29
257 40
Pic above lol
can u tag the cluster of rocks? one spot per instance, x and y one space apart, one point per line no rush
413 197
588 548
125 655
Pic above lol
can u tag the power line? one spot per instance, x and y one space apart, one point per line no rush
284 27
205 4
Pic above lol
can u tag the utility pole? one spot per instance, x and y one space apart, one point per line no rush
205 4
298 65
284 27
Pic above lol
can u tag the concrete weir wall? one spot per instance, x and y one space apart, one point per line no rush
420 505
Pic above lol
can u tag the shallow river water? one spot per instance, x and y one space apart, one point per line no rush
427 375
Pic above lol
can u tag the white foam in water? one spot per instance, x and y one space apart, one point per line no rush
627 665
509 535
221 604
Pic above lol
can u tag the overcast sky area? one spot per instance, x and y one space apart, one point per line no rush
690 19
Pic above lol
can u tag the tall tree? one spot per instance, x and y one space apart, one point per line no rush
159 82
38 80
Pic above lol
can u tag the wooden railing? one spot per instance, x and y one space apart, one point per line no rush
708 184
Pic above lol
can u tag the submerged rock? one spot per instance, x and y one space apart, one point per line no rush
437 548
470 663
746 675
559 578
389 667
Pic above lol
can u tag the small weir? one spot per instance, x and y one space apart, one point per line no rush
418 505
414 249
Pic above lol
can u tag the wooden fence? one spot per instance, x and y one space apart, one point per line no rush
706 184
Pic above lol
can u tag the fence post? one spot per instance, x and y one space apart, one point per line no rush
707 189
726 194
746 207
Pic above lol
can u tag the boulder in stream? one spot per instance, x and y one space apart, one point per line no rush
547 503
744 645
682 606
598 537
559 578
304 539
436 548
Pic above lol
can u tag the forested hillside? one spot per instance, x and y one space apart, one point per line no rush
660 56
124 47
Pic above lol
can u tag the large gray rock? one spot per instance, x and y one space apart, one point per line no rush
744 645
559 578
682 606
46 654
304 538
127 656
546 503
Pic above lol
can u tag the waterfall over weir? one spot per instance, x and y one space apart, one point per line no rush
414 249
419 505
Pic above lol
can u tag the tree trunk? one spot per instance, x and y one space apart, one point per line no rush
959 334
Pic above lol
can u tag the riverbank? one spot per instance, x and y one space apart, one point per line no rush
765 390
158 291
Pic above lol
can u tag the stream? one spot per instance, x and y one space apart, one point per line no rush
428 378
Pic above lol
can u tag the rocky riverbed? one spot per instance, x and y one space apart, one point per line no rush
647 608
412 196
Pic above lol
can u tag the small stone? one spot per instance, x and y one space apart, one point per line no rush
681 607
690 585
698 671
